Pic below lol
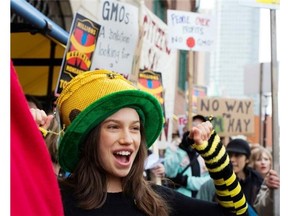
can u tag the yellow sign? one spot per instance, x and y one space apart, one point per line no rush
268 1
270 4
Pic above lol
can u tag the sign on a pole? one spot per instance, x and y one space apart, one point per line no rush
191 31
155 55
270 4
232 116
79 50
252 78
117 38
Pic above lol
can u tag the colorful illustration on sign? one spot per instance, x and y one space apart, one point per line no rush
198 91
151 81
190 42
79 51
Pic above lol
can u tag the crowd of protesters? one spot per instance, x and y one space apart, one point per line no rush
107 127
98 140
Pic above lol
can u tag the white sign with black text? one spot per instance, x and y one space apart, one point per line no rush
117 38
191 31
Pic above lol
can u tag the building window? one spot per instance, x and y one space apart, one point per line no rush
160 8
182 70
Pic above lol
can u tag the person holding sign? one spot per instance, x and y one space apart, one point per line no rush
109 124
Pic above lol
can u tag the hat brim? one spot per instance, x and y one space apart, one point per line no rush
89 118
236 150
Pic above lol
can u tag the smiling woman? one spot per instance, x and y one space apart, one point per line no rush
109 124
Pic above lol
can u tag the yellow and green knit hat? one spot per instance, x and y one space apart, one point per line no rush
91 97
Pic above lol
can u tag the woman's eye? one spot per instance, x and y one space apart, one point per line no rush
136 128
112 126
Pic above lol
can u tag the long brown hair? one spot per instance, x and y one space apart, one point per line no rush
89 179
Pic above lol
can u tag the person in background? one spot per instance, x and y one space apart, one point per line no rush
250 180
155 173
109 124
184 166
239 153
261 161
34 188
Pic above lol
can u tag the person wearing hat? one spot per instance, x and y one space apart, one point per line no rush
250 180
239 153
109 124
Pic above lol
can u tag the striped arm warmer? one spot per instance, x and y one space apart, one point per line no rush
228 189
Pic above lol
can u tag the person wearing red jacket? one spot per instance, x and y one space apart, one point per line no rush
34 187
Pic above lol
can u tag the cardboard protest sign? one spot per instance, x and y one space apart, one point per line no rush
232 116
154 54
79 50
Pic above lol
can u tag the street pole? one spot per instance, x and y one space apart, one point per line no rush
275 123
261 104
190 88
190 75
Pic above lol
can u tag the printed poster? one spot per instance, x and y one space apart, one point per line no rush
151 82
79 51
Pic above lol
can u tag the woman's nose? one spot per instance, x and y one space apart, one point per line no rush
126 137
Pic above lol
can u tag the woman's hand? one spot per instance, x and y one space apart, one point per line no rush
41 118
272 180
159 170
201 132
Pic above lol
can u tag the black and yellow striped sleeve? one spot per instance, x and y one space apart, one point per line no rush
228 190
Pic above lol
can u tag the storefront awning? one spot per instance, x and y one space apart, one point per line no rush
37 49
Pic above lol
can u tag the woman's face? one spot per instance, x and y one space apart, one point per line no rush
238 161
119 142
263 164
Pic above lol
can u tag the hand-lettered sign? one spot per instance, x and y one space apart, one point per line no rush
117 38
191 31
232 116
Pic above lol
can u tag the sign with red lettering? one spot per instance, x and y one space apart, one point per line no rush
191 31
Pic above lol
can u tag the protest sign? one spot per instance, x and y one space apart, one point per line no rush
118 37
232 116
79 50
191 31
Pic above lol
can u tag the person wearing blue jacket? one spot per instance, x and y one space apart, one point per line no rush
185 167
